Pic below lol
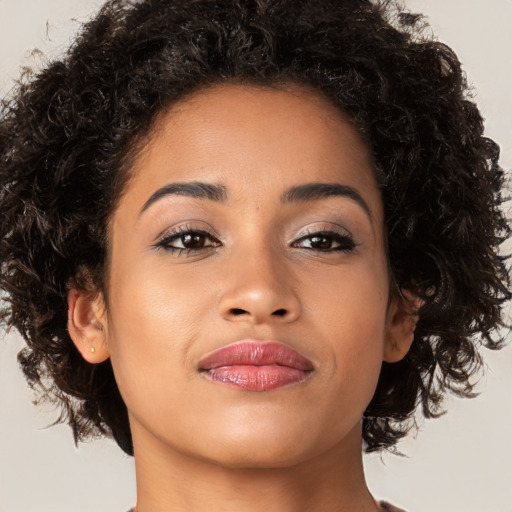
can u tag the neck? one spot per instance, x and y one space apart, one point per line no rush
170 480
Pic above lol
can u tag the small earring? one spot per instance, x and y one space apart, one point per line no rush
93 350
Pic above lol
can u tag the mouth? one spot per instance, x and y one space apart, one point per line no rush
251 365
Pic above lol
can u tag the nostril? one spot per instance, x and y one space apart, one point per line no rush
238 311
279 312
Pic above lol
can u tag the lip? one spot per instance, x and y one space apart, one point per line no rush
252 365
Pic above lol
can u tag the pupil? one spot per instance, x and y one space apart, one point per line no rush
191 241
321 242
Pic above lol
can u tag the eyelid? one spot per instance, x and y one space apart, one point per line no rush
322 227
186 227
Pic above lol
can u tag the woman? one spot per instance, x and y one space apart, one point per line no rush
231 216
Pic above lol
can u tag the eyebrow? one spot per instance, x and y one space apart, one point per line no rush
195 189
218 193
314 191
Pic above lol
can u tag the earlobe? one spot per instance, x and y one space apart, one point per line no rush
87 325
402 319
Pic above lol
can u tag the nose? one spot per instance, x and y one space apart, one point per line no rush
259 290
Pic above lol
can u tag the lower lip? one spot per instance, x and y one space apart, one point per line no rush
256 378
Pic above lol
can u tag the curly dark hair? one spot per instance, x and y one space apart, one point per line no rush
69 133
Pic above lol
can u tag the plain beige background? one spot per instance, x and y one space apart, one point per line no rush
459 463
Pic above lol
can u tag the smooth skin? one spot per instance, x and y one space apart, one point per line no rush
193 271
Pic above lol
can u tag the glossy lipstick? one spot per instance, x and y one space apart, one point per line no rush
256 365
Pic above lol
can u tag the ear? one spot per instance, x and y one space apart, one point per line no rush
87 325
401 323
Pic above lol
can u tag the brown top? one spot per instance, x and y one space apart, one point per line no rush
387 507
384 506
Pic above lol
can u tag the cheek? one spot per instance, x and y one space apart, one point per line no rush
349 313
350 300
154 319
157 304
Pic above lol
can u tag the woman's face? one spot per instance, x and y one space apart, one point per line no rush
252 230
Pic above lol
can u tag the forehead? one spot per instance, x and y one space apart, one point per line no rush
258 139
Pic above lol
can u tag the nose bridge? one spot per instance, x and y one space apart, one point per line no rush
259 286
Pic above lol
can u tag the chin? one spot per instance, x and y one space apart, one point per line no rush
265 448
261 459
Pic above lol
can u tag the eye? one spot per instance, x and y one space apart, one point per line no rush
326 241
187 240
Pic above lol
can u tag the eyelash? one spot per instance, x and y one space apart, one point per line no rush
344 240
180 233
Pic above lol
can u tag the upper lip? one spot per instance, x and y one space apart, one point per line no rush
255 353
